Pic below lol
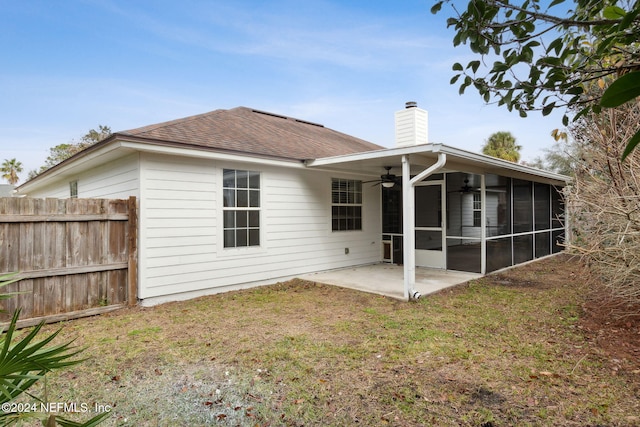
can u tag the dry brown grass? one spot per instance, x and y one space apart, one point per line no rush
509 349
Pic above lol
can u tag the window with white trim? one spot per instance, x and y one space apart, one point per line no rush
477 209
73 189
241 208
346 204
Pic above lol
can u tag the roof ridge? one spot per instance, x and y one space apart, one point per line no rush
267 113
298 132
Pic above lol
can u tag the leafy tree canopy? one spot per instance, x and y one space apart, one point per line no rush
560 158
62 152
537 55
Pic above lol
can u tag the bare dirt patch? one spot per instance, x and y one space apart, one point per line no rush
614 328
523 347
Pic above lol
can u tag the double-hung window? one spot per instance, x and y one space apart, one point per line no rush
477 210
73 189
241 208
346 204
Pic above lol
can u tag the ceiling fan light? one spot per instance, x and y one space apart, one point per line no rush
388 184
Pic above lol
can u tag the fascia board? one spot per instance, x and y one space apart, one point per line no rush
126 147
455 154
372 155
208 154
483 159
67 167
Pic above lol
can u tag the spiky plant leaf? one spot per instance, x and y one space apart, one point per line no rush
25 361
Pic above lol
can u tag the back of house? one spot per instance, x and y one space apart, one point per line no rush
238 198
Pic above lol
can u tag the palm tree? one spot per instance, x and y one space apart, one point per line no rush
24 360
503 146
10 170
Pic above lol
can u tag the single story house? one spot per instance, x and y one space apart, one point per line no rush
241 197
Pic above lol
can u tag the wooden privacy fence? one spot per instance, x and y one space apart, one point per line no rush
75 257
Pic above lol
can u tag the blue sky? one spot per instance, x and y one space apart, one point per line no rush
69 66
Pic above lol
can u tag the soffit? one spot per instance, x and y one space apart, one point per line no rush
425 155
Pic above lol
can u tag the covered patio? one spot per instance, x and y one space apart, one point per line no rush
451 215
446 210
388 279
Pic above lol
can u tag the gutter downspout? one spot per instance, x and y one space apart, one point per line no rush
409 219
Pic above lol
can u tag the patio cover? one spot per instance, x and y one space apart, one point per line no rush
417 163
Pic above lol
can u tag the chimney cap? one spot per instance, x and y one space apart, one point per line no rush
411 104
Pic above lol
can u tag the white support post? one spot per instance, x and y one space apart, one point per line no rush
408 218
483 233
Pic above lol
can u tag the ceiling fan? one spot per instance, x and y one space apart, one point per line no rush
387 180
466 188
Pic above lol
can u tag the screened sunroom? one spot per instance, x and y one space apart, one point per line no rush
447 208
452 209
490 221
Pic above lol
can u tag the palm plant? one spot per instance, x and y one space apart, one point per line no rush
10 170
503 146
25 360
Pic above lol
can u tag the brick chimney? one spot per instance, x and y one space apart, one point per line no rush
411 125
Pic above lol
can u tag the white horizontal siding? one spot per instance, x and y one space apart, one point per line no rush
492 213
468 229
177 218
117 179
161 242
181 240
58 189
460 216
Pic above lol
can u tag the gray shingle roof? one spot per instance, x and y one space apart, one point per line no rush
254 132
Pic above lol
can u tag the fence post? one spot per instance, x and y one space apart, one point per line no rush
132 271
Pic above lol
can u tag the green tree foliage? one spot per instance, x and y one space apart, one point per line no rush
562 157
542 55
10 170
61 152
503 146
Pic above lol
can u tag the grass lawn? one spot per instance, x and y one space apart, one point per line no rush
513 349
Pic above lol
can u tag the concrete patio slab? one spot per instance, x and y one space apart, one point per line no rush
387 279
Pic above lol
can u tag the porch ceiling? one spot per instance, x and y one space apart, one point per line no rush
425 155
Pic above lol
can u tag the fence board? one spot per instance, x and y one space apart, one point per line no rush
38 298
132 251
73 255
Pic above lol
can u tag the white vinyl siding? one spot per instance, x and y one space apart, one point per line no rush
177 222
117 179
461 216
181 251
492 207
182 246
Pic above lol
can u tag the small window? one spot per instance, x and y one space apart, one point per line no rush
477 210
73 189
346 204
241 208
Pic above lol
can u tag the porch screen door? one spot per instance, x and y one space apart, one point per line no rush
429 225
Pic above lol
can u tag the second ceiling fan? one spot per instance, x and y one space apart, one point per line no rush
387 180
